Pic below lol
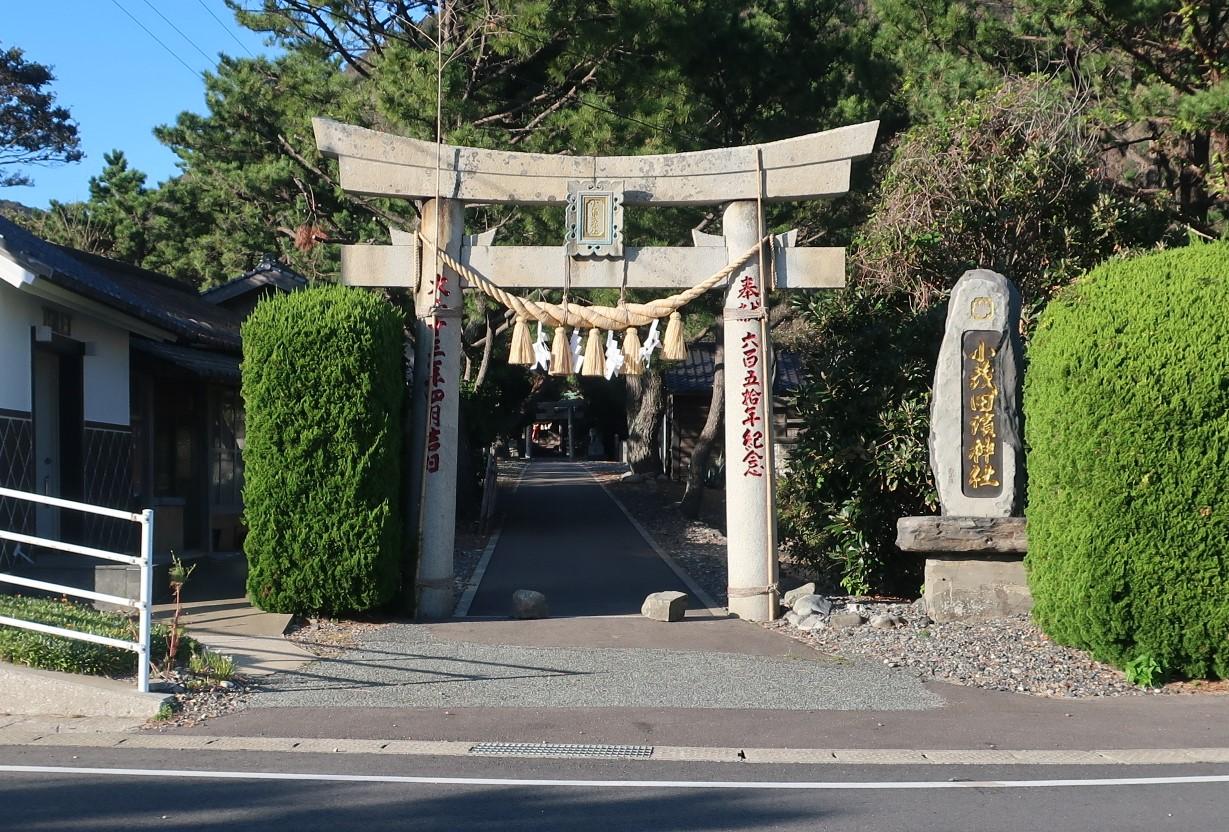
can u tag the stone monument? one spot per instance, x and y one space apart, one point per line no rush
974 550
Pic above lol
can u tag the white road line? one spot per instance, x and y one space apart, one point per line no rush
619 784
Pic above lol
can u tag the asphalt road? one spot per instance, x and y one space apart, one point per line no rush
294 793
563 536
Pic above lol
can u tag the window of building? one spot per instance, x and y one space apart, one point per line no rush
226 439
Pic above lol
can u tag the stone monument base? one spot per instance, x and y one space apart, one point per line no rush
974 565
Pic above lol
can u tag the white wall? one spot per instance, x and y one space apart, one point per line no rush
105 371
18 312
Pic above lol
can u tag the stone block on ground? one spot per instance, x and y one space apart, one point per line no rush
528 603
812 605
665 606
811 622
976 588
793 595
883 622
843 619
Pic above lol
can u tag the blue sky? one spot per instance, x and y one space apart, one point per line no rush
116 80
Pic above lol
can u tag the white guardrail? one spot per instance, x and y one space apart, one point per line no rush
145 560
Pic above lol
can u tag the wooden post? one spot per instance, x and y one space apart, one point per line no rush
437 375
750 517
571 437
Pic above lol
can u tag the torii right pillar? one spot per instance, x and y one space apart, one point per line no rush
750 498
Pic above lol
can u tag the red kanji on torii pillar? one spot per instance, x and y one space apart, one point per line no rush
445 179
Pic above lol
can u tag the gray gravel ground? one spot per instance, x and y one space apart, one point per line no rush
1009 654
401 665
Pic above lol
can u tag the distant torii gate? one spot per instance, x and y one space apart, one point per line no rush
807 167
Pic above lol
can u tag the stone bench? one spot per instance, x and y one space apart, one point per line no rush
974 565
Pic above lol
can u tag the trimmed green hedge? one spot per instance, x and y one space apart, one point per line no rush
68 655
1127 418
322 386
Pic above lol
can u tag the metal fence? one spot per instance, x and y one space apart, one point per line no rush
145 560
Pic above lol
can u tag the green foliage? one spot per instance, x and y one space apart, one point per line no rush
862 461
1152 70
1005 182
1127 418
1008 181
252 179
212 666
50 652
116 222
1144 671
33 130
322 383
945 52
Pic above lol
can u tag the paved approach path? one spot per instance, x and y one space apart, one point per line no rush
565 537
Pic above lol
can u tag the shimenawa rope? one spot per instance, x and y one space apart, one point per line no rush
588 317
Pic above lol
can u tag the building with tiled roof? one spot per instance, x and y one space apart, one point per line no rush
688 387
120 387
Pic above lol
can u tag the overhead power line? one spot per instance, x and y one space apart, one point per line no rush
158 40
226 28
168 22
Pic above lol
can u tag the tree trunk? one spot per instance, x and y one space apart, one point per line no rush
693 494
644 403
486 353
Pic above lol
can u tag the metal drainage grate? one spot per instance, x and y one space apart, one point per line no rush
548 749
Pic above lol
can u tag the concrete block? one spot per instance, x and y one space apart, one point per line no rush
665 606
976 588
30 692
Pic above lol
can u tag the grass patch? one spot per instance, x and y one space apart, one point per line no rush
49 652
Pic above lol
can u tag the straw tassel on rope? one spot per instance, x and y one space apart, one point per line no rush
673 347
595 364
633 364
560 354
522 343
603 317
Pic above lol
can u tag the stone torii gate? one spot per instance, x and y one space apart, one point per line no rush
446 178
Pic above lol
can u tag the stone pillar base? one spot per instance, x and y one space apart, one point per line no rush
974 565
961 587
754 607
434 603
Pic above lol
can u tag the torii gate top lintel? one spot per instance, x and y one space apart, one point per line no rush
813 166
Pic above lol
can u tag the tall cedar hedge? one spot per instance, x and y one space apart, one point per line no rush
1127 417
322 386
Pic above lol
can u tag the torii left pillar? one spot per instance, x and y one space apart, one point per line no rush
436 396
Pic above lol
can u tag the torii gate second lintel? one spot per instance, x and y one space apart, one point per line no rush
815 166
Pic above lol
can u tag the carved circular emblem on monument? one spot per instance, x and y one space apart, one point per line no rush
981 308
